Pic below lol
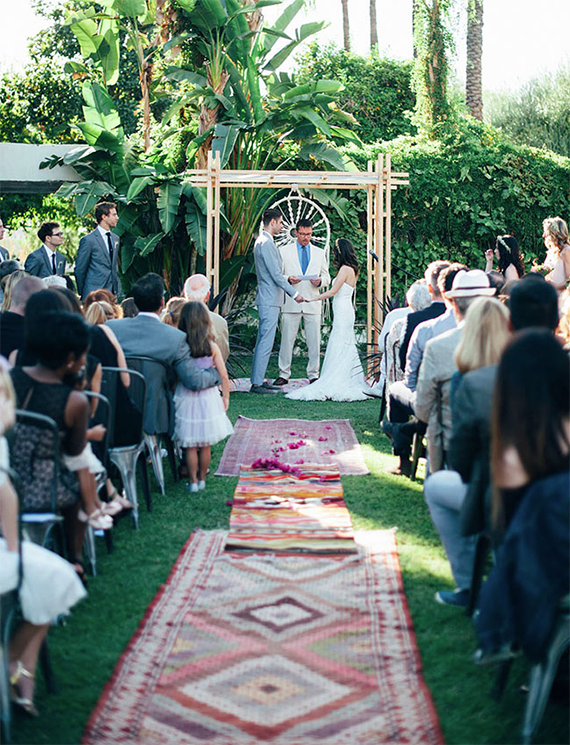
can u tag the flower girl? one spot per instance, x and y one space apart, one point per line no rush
201 418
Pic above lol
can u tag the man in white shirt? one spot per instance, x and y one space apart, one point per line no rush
47 260
302 259
97 260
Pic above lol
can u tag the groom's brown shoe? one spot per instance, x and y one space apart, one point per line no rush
280 381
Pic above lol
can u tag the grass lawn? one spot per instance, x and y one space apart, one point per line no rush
86 649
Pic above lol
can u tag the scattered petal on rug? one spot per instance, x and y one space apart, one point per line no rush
329 442
243 649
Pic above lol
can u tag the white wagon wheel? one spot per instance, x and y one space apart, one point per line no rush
294 207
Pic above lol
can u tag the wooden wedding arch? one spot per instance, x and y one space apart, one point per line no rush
379 181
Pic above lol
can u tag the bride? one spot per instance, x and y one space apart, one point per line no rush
342 378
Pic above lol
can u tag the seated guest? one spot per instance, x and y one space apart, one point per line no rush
530 464
55 280
485 334
197 287
497 282
6 268
47 260
436 308
106 296
459 499
49 588
172 310
4 253
402 393
418 298
8 284
99 313
129 308
59 341
146 336
12 321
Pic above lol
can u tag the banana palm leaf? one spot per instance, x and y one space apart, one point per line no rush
168 202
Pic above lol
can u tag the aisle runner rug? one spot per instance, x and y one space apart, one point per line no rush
293 441
241 649
242 385
300 511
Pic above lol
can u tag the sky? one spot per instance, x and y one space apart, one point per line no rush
520 42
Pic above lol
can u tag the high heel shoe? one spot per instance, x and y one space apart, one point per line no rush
25 704
97 520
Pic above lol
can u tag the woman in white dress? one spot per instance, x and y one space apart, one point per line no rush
342 377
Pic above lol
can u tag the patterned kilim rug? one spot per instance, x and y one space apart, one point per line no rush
299 511
293 441
242 385
242 649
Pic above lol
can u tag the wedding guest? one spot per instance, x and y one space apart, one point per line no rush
4 253
172 309
129 308
197 287
10 282
98 313
7 268
508 255
12 321
105 296
555 234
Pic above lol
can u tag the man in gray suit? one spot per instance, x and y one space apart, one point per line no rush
146 336
271 289
47 260
96 263
4 253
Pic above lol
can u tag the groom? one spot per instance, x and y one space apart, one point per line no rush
271 289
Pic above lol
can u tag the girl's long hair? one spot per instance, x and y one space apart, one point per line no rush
195 323
344 254
509 253
531 409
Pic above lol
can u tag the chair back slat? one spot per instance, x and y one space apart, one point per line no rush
126 405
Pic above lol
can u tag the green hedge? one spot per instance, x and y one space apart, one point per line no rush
463 192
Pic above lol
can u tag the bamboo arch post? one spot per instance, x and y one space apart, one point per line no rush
377 182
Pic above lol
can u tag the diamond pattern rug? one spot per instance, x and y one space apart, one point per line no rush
330 442
302 510
242 649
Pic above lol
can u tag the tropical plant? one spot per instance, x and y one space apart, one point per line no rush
473 70
243 108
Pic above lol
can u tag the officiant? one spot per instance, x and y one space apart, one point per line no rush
306 268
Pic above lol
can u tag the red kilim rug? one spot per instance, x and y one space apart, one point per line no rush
242 649
302 510
293 441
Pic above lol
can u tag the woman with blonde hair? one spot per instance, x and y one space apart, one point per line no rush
172 310
555 234
99 312
485 335
103 296
11 281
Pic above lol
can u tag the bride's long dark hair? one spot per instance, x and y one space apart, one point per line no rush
344 255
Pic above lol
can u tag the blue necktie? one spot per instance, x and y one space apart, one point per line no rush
305 258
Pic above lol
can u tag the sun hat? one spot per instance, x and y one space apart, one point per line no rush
470 284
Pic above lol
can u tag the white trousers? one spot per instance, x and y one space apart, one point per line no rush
289 330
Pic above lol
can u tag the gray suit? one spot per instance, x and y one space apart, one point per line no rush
145 336
93 270
4 254
270 296
38 264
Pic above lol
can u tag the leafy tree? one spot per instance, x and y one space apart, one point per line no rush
377 91
538 114
432 41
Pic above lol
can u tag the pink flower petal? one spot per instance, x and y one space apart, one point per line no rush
328 427
323 439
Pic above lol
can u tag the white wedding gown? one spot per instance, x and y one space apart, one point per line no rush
342 377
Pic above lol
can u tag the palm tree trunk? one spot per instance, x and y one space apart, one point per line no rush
373 26
345 25
473 71
415 4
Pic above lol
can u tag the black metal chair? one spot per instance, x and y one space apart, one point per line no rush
127 443
158 429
